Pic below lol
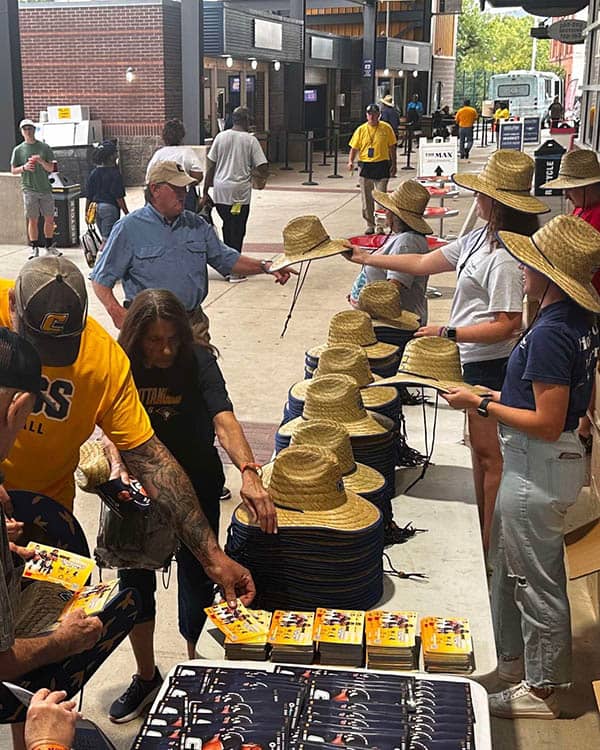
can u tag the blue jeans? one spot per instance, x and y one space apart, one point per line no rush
530 609
465 141
107 216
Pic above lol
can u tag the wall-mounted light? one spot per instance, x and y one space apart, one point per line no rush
276 64
254 64
229 62
415 73
130 74
386 72
400 74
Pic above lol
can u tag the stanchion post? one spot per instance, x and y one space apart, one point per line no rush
306 139
309 157
408 147
325 146
336 142
286 166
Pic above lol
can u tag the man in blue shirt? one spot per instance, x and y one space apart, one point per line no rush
161 246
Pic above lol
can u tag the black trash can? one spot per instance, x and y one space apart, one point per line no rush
547 164
66 215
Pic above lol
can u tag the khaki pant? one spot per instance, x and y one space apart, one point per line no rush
366 196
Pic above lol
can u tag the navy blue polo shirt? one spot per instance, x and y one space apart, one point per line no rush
560 348
105 185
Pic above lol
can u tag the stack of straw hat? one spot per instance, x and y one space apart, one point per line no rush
328 551
381 301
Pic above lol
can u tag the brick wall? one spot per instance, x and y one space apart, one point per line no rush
79 55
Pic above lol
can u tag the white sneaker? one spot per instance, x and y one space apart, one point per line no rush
53 250
511 670
519 702
236 278
34 252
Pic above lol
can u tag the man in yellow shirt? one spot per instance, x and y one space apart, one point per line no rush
465 119
87 381
374 142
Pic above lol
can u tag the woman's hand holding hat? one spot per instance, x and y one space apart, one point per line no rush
462 398
428 331
356 254
258 503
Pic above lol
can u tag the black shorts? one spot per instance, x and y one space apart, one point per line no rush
489 372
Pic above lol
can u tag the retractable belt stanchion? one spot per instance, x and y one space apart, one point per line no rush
336 143
309 159
408 147
286 166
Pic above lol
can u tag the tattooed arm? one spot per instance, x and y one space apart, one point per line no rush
168 486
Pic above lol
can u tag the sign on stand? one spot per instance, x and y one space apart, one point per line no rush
510 135
438 157
531 129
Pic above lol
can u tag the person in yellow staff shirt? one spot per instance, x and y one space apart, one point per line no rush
465 118
87 378
374 142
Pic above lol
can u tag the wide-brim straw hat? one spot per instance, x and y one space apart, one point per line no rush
506 178
336 397
578 168
325 433
381 301
305 238
93 468
307 488
408 202
348 359
567 251
387 100
431 362
354 327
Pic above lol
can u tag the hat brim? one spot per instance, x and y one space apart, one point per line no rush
407 321
363 427
523 202
377 351
523 249
362 479
371 399
355 514
443 386
326 250
414 221
54 352
564 182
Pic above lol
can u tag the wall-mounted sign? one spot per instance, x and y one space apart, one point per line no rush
321 48
268 35
567 31
367 68
410 55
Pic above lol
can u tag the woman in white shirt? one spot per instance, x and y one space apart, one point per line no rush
487 306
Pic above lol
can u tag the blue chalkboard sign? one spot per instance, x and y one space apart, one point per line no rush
531 129
511 135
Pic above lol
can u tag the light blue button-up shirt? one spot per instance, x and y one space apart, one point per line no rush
146 252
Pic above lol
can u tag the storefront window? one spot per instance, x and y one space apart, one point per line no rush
589 133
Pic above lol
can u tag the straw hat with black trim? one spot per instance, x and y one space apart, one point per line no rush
432 362
307 488
305 238
348 359
506 178
387 100
325 433
578 168
381 301
336 397
408 202
567 251
354 327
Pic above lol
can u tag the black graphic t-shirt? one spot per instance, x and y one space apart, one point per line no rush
181 407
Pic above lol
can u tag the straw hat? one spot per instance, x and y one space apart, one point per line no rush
506 178
567 251
432 362
348 359
354 327
305 238
93 468
408 202
578 168
308 490
381 300
387 100
336 397
325 433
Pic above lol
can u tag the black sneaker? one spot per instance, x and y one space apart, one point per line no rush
138 696
225 493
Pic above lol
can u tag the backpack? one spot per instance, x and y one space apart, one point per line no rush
91 243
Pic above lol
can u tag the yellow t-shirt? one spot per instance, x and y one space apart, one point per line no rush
378 137
97 389
465 117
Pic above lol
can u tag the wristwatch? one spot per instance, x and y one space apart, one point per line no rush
482 409
451 333
266 265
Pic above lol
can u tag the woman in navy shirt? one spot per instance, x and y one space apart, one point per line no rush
105 188
546 390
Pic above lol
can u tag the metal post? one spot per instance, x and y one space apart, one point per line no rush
309 144
408 147
325 147
307 138
336 139
286 166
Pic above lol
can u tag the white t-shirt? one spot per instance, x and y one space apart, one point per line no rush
235 153
413 288
488 281
185 156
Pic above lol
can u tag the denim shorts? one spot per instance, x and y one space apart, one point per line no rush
489 372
